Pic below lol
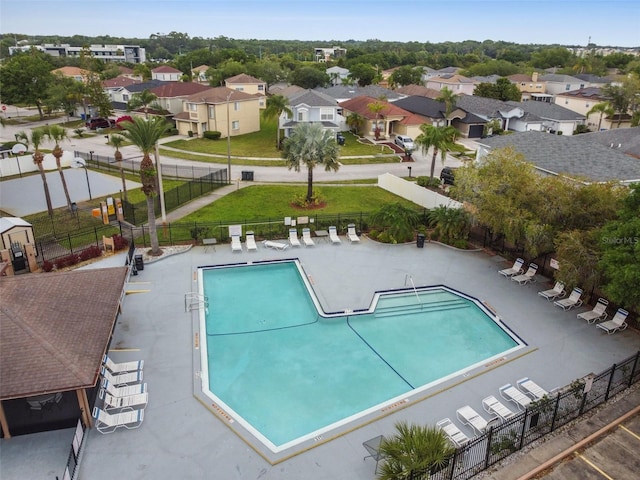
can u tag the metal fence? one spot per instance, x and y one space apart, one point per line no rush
541 418
73 460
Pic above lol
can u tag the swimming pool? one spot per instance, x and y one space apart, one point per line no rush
289 372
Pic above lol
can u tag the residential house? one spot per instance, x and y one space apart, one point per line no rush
337 75
527 84
312 106
568 156
128 73
221 109
171 95
435 113
391 120
592 80
625 140
561 83
454 82
323 55
166 73
385 75
420 90
78 74
285 89
121 94
248 84
493 79
555 119
199 74
583 100
340 93
489 109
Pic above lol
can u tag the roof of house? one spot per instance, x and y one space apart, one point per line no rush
361 104
424 106
482 106
557 78
142 86
591 78
337 69
568 155
312 98
200 68
178 89
548 111
419 90
452 79
520 77
486 79
125 70
165 69
219 95
243 78
626 140
589 93
7 223
56 328
342 92
284 89
119 82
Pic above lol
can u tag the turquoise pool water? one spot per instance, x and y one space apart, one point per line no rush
290 373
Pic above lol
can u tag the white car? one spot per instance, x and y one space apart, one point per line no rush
404 142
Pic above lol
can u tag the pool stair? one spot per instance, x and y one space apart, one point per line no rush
194 301
431 306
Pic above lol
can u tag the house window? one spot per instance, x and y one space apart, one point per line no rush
192 107
523 84
235 125
582 85
326 114
212 111
566 102
240 89
260 88
301 116
236 106
586 105
125 97
567 87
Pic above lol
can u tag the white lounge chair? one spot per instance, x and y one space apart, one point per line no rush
122 378
251 242
469 416
351 233
275 245
306 238
557 291
453 433
618 322
531 388
333 235
123 391
109 422
495 407
528 276
574 300
122 367
294 241
599 312
512 394
516 269
236 244
128 401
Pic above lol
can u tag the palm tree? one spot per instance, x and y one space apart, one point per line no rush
57 134
376 108
37 136
603 108
276 105
398 221
452 222
116 141
449 99
142 99
144 134
442 139
414 449
355 122
312 145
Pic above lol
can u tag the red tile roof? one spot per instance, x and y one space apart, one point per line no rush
119 82
178 89
56 328
361 104
165 69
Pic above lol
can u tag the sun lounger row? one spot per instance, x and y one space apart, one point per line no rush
517 274
526 392
293 240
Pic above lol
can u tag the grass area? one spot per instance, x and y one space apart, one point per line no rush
274 201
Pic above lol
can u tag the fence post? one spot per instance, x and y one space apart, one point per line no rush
454 459
524 428
486 455
555 412
613 371
69 240
633 370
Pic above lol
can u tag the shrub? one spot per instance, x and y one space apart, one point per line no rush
428 182
67 261
212 135
199 232
173 131
47 266
91 252
119 242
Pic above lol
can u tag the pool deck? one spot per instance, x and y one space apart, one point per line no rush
181 437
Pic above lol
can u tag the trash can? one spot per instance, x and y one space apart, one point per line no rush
139 262
247 175
420 240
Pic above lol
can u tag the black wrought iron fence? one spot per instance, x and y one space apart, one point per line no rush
541 418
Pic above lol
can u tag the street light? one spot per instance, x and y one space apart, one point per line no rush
79 162
229 139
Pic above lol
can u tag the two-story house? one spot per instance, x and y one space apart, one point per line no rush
556 83
248 84
199 74
171 95
121 92
166 73
458 84
528 84
337 75
310 106
221 109
583 100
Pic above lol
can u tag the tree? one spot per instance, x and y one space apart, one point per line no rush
442 139
376 108
142 100
406 75
309 77
311 145
603 108
98 97
58 134
142 70
618 99
503 90
276 106
362 73
452 222
397 222
355 122
577 253
116 141
37 136
66 93
449 99
413 450
144 134
25 79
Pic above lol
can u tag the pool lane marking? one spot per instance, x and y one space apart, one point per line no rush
594 466
637 437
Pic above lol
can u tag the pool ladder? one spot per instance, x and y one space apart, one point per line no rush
410 278
194 301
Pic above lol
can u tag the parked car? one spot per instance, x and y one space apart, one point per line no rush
447 175
404 142
99 122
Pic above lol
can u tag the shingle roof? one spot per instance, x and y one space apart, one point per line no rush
625 140
484 107
119 82
142 86
419 90
243 78
567 155
165 69
548 111
219 95
557 78
591 78
342 92
593 93
56 328
312 98
178 89
423 106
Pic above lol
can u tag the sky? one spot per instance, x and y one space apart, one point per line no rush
565 22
